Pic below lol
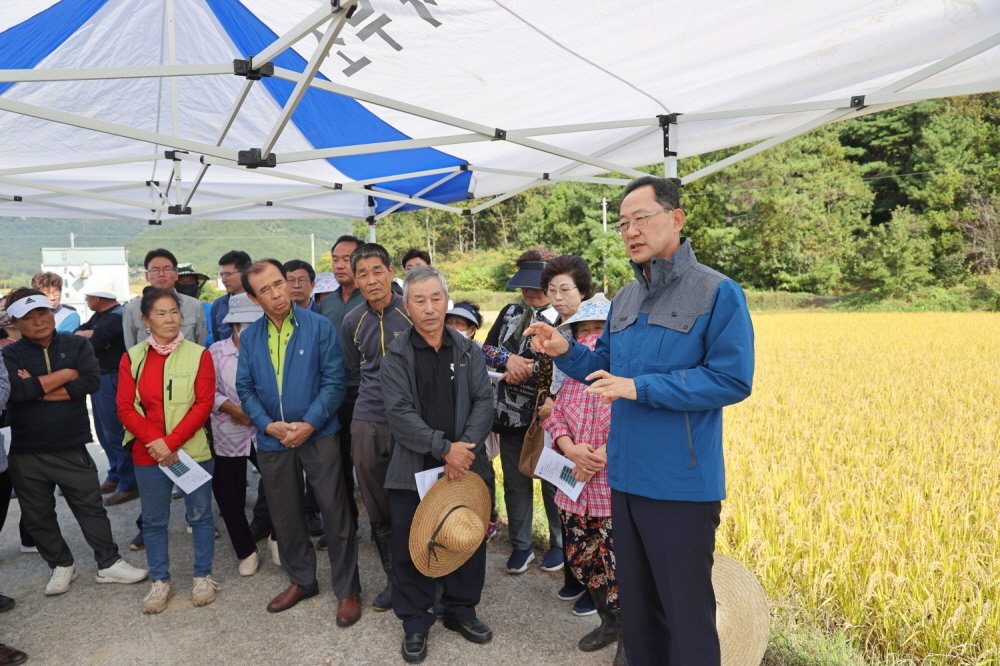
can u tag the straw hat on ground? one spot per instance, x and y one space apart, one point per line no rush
449 524
741 613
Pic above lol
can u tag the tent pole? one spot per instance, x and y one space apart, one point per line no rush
302 85
105 127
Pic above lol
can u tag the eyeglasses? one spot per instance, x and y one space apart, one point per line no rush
225 275
639 222
297 281
161 271
563 291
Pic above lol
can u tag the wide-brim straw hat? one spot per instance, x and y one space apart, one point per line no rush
741 614
449 524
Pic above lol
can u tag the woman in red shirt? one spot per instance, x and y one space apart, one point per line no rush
166 389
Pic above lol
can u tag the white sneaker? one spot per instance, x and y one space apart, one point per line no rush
273 546
121 572
204 591
60 580
249 564
156 600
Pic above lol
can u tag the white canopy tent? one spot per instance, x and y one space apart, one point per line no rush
136 109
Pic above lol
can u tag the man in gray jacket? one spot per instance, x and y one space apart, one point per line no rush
435 385
366 333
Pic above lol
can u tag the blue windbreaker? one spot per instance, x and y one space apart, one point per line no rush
314 381
685 337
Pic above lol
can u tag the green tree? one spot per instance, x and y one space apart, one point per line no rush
785 219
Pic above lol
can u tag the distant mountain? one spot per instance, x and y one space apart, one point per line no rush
201 242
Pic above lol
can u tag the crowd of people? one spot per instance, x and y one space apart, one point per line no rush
328 381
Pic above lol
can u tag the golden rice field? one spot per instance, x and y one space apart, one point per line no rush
864 478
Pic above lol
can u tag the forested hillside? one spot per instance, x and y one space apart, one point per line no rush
901 204
200 242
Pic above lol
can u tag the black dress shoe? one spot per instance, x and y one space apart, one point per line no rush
414 648
472 630
6 603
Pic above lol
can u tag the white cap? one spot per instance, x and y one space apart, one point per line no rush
18 309
100 286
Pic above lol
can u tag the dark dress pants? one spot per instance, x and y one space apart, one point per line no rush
663 559
281 472
413 592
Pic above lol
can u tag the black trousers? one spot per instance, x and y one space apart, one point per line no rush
35 477
5 488
229 485
413 592
345 414
663 558
282 472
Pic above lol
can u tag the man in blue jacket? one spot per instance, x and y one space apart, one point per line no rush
677 348
290 379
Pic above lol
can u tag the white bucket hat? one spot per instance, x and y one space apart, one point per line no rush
242 310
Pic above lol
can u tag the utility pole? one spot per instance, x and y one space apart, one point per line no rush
604 253
72 239
312 249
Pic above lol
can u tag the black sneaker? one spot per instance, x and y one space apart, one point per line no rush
584 606
571 592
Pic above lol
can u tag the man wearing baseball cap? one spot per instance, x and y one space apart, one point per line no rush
104 330
51 375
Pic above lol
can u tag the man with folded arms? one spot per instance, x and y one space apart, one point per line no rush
51 375
438 392
290 379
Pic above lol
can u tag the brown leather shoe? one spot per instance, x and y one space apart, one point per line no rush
348 611
108 487
120 497
291 596
11 655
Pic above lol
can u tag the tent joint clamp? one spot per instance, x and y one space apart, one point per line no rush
500 134
858 102
172 155
154 223
666 120
242 68
251 158
178 209
337 6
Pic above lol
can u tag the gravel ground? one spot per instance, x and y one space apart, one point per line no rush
104 624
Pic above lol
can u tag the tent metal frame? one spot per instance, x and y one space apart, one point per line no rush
198 203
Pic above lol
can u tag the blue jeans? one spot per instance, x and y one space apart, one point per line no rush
154 493
110 432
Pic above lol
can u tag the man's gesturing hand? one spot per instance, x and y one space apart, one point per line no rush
609 387
547 339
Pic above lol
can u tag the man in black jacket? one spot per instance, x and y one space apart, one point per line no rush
436 388
104 330
51 375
